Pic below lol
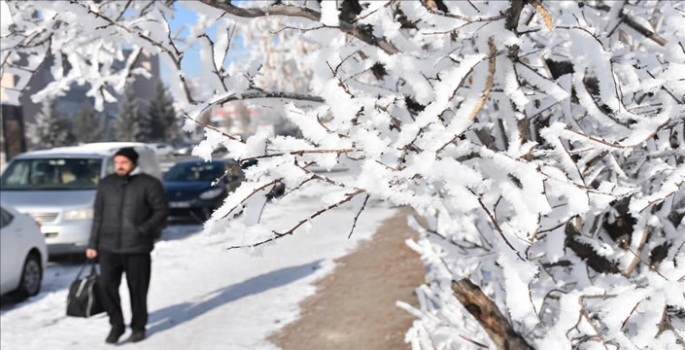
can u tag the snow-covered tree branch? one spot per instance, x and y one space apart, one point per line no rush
541 142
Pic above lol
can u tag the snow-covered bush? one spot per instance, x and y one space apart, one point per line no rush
542 142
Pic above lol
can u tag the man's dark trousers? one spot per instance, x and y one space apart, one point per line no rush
137 269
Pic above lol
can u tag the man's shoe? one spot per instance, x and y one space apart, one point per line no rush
114 335
136 336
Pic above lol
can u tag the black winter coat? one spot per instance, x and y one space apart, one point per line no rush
130 213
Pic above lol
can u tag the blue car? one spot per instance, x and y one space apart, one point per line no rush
196 188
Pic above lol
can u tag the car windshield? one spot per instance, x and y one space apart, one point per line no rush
200 171
52 174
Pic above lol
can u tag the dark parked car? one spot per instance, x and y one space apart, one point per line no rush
186 149
195 188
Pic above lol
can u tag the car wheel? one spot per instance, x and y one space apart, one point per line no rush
31 278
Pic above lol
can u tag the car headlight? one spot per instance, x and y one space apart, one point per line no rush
78 214
213 193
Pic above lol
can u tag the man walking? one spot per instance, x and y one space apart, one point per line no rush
130 212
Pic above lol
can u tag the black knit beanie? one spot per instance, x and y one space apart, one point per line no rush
129 153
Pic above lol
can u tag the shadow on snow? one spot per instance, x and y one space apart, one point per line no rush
172 316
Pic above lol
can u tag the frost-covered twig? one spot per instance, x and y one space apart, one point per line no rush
456 89
460 17
477 343
489 82
668 91
498 228
213 128
543 12
296 11
123 10
356 217
632 23
257 94
216 64
340 82
312 151
315 176
632 311
112 22
633 264
278 235
616 144
649 266
659 200
253 193
583 314
175 56
666 325
304 30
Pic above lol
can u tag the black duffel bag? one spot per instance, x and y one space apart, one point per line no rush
84 295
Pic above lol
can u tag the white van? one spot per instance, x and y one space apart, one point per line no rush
57 188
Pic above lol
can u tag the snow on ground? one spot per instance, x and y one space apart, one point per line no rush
202 296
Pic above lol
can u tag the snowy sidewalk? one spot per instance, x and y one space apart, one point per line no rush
202 296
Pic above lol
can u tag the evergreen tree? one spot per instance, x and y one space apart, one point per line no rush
163 117
147 126
50 129
109 129
132 124
87 124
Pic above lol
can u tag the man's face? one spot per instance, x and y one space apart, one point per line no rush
123 165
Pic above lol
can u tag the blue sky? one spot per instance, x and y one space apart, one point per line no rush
191 58
191 61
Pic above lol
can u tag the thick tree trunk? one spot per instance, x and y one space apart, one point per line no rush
489 316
